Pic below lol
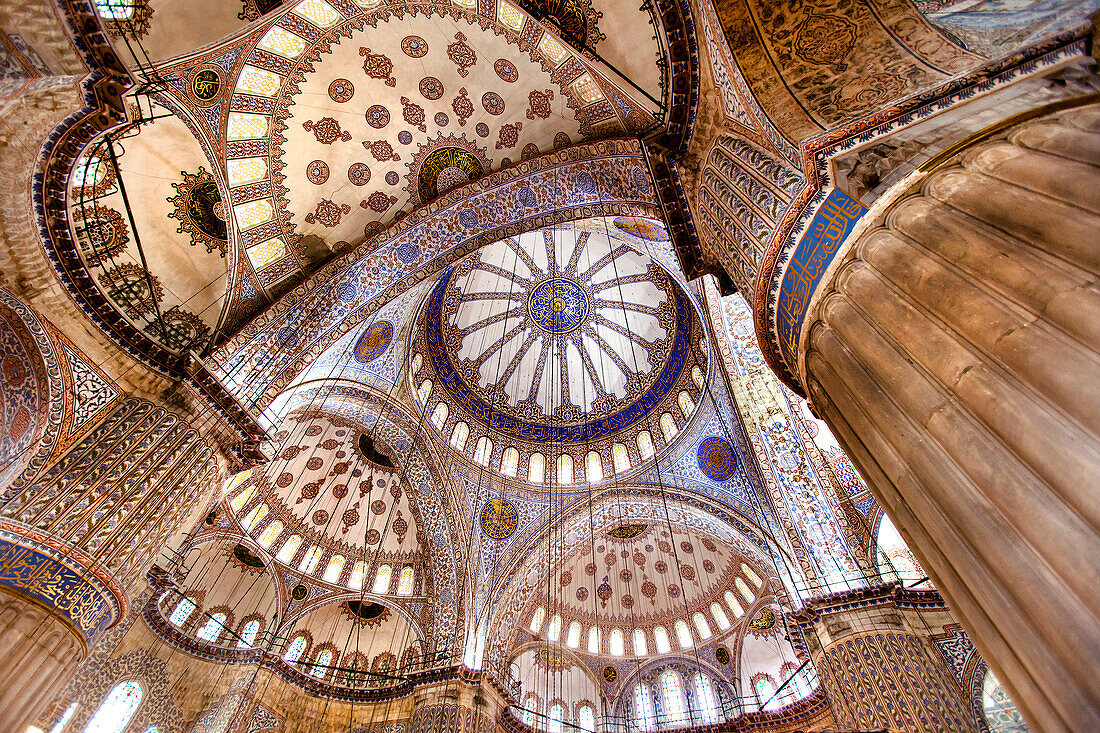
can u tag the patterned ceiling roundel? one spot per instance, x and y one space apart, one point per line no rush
716 459
499 519
374 342
558 305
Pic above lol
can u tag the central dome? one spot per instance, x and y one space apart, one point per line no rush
559 337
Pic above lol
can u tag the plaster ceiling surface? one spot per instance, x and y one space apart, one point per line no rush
321 487
563 335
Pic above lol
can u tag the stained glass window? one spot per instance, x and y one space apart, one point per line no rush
573 638
551 49
751 575
248 634
270 534
117 709
660 640
182 612
536 468
557 714
405 581
238 502
720 617
743 589
212 629
295 650
333 569
509 462
459 436
529 710
565 469
439 415
697 376
673 700
322 663
317 12
289 549
253 213
640 647
425 390
417 361
643 707
735 606
615 643
668 427
114 9
645 444
701 625
358 572
310 559
553 630
89 171
245 126
706 704
683 634
263 254
594 640
536 620
510 15
687 406
586 718
245 170
59 726
620 459
483 450
587 89
283 42
593 467
999 710
258 81
382 579
765 689
254 516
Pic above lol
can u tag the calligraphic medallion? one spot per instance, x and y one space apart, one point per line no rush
716 459
499 519
206 86
374 342
444 169
558 305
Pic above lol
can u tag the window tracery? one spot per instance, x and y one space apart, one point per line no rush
117 709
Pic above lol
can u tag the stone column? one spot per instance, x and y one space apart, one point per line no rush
76 539
877 663
456 706
952 347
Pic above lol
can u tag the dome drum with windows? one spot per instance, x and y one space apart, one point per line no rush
563 356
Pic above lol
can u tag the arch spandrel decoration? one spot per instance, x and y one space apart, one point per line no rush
606 178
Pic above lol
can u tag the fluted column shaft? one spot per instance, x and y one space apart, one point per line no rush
952 347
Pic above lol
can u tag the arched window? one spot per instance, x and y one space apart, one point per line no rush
640 646
999 710
114 9
212 629
117 709
620 459
460 435
439 415
405 581
295 649
593 467
536 468
557 714
240 500
255 516
509 462
615 643
322 663
248 634
660 640
333 569
530 707
310 559
270 533
643 707
687 406
668 427
289 549
894 557
751 575
586 718
89 171
645 445
553 630
358 572
683 634
673 700
66 716
382 579
565 469
594 640
417 361
182 612
536 620
701 625
706 703
483 451
425 391
697 376
765 691
743 589
735 606
573 638
720 617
